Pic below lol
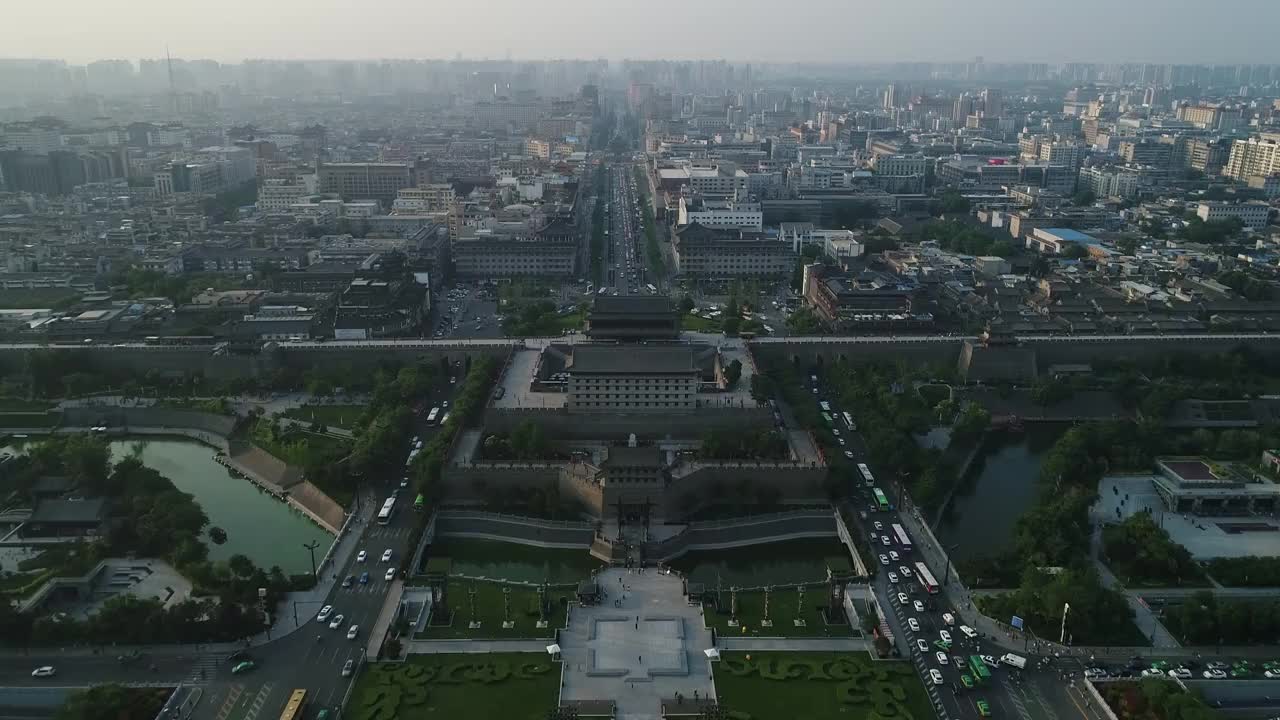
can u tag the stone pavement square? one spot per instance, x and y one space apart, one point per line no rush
641 644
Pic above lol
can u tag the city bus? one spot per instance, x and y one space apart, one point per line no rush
903 538
881 500
830 421
293 708
926 578
867 477
652 290
388 507
431 416
419 502
848 420
826 406
981 672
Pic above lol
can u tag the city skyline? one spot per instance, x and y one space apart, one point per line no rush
1236 31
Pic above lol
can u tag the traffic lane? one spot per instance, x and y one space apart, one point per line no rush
83 670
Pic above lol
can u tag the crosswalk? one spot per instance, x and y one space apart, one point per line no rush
202 670
386 532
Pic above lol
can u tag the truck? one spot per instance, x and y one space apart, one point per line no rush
1014 661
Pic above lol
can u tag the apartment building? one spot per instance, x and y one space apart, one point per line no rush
431 198
1255 156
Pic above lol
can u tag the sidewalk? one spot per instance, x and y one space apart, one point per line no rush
798 644
437 647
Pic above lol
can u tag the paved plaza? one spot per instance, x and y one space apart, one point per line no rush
641 644
1203 536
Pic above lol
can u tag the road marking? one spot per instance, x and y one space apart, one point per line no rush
202 671
233 695
259 701
1017 701
1049 712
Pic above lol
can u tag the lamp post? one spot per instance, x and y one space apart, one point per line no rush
311 546
947 551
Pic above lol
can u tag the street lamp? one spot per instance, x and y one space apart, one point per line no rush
945 571
312 547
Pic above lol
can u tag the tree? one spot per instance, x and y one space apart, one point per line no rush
733 372
731 326
1075 251
687 304
1040 266
950 203
804 322
1127 245
762 387
112 702
217 535
972 421
1083 197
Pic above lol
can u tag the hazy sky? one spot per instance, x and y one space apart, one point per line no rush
810 30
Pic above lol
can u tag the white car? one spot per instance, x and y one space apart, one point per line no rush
935 676
324 613
386 555
905 571
884 540
893 578
902 598
841 441
894 556
848 454
352 632
989 660
391 574
1268 673
945 636
919 606
914 625
348 668
361 556
1183 673
1153 672
924 646
884 560
941 656
336 622
1209 674
948 618
878 526
43 672
968 632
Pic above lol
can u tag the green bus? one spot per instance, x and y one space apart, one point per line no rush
980 670
418 503
881 500
830 422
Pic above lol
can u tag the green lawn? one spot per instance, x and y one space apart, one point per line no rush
819 686
513 686
782 611
343 416
523 611
694 323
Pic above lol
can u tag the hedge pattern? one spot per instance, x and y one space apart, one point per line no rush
397 689
876 686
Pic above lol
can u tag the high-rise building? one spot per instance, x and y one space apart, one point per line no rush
1255 156
891 97
992 103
